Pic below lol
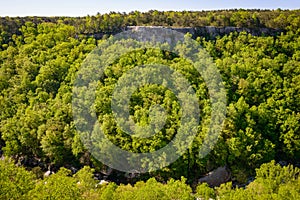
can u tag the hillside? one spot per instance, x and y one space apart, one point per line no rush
257 53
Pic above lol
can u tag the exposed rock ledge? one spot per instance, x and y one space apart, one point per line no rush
210 32
213 31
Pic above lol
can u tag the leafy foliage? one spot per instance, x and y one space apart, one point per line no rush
15 182
272 182
39 59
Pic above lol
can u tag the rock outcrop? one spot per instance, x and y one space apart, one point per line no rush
210 32
217 177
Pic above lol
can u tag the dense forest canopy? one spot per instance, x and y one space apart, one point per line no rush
40 57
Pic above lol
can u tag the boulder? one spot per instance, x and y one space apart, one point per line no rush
216 177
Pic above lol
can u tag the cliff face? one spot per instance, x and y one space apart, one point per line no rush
212 32
221 31
209 32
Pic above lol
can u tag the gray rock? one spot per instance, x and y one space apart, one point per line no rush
216 177
283 163
204 31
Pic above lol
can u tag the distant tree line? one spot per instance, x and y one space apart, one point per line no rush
114 21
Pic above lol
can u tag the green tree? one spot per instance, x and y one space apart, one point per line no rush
15 182
56 186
